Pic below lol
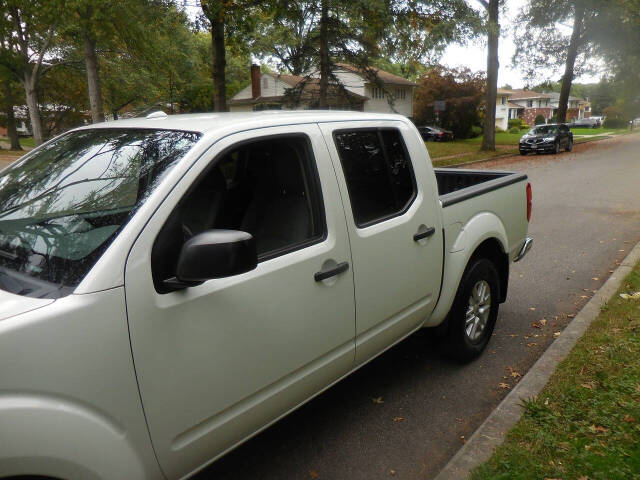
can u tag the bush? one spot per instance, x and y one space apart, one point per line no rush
616 123
514 130
553 119
539 120
499 130
475 131
524 126
515 122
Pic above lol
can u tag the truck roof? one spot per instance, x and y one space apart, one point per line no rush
207 122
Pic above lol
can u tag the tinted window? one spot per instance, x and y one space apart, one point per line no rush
269 188
61 206
378 173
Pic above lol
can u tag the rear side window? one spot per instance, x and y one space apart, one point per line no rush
378 172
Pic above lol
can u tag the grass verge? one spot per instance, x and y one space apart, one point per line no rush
585 424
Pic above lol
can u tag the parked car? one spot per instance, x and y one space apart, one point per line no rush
548 138
170 286
435 134
589 122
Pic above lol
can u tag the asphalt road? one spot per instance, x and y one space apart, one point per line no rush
586 216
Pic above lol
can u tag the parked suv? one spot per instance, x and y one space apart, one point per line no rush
548 138
435 134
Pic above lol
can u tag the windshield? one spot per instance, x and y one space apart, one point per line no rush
61 206
543 130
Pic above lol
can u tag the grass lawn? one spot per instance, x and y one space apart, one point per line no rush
585 424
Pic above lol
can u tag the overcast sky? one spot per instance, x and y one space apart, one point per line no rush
474 55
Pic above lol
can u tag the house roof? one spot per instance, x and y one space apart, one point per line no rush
527 95
507 93
384 76
514 105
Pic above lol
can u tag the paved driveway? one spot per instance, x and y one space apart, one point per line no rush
586 216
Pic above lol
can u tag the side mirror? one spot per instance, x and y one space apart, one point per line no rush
214 254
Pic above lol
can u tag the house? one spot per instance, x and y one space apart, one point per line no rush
502 109
527 104
374 90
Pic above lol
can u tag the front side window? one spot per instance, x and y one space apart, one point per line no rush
62 206
378 173
269 188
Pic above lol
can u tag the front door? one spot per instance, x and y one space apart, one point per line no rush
395 229
218 361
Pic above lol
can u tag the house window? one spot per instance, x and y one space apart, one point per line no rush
265 82
401 94
378 93
530 103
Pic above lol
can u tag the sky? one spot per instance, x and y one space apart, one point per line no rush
474 55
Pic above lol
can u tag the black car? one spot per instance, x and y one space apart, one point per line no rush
586 123
548 138
435 134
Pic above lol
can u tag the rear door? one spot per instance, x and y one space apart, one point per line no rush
218 361
395 228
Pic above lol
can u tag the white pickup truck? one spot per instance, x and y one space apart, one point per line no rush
170 286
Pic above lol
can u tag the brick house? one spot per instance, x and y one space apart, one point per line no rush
527 104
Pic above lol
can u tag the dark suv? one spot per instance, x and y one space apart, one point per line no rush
547 138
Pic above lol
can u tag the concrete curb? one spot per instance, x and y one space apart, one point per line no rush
491 433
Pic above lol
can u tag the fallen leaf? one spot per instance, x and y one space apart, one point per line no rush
535 325
571 315
392 472
629 419
398 419
584 296
504 386
587 385
532 344
598 429
582 477
543 322
595 278
632 296
515 374
557 334
532 308
313 474
377 400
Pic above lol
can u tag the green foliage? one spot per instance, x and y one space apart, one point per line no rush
476 131
539 120
462 91
514 130
525 126
515 122
612 122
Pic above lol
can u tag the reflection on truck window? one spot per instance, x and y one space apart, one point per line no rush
378 173
268 188
62 205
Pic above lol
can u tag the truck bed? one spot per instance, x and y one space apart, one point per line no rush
456 185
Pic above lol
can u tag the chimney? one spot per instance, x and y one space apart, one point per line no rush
255 81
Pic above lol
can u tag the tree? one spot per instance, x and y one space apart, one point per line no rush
8 99
491 94
540 41
27 34
462 91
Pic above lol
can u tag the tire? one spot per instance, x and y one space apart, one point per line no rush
556 148
569 146
469 328
522 152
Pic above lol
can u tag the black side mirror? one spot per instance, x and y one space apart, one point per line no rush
214 254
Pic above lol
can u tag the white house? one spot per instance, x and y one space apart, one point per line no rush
372 91
502 109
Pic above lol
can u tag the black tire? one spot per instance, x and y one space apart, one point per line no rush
556 148
522 152
569 146
462 344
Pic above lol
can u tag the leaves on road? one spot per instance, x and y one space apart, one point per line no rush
398 419
313 474
377 400
504 386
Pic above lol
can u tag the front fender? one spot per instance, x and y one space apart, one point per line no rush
481 227
61 438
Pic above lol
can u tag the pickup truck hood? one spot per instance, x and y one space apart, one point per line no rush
11 305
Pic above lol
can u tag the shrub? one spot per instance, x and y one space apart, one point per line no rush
553 119
475 131
524 126
616 123
499 130
539 120
514 130
515 122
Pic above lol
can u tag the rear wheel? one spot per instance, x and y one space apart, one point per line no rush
522 152
569 146
474 311
556 148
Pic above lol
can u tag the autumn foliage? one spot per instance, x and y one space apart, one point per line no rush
461 89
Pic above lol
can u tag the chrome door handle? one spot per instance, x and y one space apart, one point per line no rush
427 233
331 272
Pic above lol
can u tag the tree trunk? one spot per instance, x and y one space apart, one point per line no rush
11 120
572 53
219 62
324 55
32 103
93 79
489 134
